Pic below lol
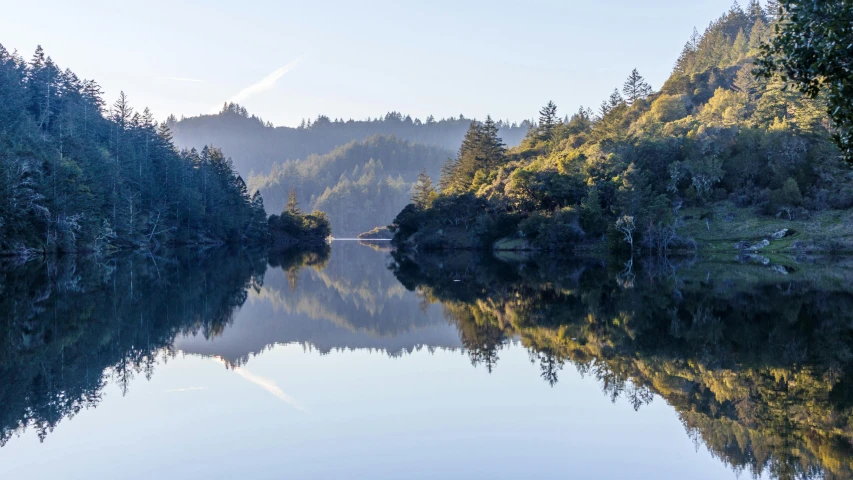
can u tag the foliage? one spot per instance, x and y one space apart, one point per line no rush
293 228
813 49
423 191
713 133
359 185
76 176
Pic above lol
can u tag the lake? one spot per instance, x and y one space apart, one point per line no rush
353 363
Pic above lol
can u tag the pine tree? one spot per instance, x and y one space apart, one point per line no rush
772 10
615 99
547 121
636 88
493 147
292 206
740 48
612 102
755 11
757 36
423 190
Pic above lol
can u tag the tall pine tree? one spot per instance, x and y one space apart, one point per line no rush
636 88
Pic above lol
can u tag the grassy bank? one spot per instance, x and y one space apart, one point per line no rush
717 228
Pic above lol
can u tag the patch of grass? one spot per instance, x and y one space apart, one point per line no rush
717 227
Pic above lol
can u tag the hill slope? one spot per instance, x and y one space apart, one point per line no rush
713 134
359 185
256 145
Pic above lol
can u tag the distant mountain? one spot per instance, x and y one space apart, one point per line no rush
255 145
360 185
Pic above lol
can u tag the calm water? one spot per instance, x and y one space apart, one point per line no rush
351 364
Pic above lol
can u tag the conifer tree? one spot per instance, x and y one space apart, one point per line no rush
636 88
493 147
755 11
757 36
547 121
292 206
740 47
423 190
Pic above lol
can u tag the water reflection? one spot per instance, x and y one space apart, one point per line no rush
754 357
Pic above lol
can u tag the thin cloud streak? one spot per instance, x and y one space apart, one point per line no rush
181 79
264 84
267 385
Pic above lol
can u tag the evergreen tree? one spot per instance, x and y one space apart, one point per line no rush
740 47
493 147
755 11
758 35
93 179
423 191
636 88
292 206
547 121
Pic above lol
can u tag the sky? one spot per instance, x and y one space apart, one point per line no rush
285 60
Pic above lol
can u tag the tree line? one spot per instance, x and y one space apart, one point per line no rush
77 174
257 146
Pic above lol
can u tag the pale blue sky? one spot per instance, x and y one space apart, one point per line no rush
358 59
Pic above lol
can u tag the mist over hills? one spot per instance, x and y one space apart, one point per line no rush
360 172
255 146
360 185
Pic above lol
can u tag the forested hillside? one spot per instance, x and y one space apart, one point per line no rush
714 135
360 185
256 145
77 175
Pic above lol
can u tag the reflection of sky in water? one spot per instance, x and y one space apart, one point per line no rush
357 414
341 373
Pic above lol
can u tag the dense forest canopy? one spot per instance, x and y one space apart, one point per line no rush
360 185
713 133
79 175
256 145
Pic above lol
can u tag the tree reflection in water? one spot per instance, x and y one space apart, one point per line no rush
756 359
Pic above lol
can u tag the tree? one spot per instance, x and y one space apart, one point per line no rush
292 206
612 102
547 121
745 81
813 50
626 226
636 88
755 11
423 191
493 146
740 47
